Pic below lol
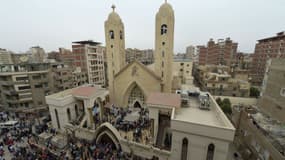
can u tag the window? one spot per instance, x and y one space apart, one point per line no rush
21 78
38 86
57 120
184 149
121 35
24 87
282 92
181 64
163 29
162 53
111 46
111 34
76 110
210 153
162 74
162 64
68 114
163 43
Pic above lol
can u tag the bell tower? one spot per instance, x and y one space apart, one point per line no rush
164 41
115 47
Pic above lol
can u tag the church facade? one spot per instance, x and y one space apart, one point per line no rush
131 84
138 114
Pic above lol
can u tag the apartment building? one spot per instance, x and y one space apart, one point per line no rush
23 87
218 53
258 136
143 56
271 47
5 56
218 81
62 77
273 94
182 72
89 56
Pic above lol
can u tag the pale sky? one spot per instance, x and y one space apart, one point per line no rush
56 23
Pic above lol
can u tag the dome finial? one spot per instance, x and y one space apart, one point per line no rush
113 7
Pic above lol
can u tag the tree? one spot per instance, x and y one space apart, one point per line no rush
227 106
254 92
219 101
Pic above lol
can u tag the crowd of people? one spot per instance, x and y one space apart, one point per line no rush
94 151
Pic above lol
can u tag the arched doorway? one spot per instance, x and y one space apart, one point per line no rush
106 133
137 105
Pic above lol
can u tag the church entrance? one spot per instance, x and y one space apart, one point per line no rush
136 95
137 105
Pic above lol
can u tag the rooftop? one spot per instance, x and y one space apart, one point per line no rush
192 113
202 109
90 42
85 91
164 99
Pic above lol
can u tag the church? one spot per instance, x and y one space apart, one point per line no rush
130 84
139 114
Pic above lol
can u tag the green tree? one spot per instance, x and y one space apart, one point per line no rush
226 106
254 92
219 101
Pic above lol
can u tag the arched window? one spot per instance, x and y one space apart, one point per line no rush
121 35
57 120
76 110
68 114
184 149
210 153
111 34
163 29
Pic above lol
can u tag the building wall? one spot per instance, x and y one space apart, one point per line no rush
272 100
90 59
250 137
271 47
197 146
182 72
222 52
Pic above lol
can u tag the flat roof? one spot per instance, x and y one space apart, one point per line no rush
85 91
87 42
164 99
192 113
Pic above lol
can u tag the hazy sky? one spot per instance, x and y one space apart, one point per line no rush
56 23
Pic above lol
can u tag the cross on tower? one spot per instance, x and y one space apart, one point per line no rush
113 7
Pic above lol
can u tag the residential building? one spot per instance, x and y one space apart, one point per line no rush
67 57
271 47
221 52
258 136
24 86
218 81
62 77
272 101
182 73
143 56
5 57
79 78
37 54
89 56
190 52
